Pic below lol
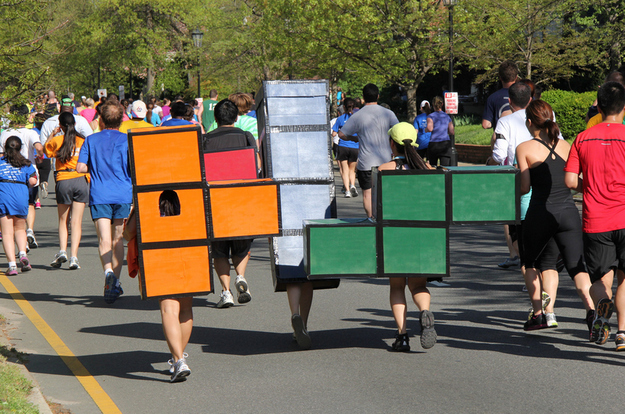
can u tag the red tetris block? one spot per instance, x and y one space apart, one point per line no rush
231 164
244 209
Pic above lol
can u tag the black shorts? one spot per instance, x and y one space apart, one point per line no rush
347 154
364 179
74 189
228 248
604 252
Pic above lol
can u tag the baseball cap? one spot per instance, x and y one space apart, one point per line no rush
138 109
403 131
423 103
67 101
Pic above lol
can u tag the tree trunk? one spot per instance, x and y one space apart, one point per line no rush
411 105
149 84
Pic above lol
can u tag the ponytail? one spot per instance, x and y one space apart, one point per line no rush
12 154
68 148
413 159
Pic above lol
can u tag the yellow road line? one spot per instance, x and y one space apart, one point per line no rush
101 398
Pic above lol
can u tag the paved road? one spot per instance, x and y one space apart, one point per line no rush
243 359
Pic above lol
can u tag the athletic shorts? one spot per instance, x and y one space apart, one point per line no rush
228 248
347 154
110 211
604 252
364 179
75 189
33 193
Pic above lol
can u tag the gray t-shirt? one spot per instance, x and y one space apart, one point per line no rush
371 123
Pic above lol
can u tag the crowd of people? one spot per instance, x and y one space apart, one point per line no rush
87 140
551 235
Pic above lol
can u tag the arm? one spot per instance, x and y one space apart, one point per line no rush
486 124
348 138
573 181
524 167
82 168
450 128
430 125
38 151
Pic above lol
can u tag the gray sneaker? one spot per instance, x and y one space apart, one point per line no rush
353 191
226 300
242 289
181 371
428 333
551 320
59 259
73 263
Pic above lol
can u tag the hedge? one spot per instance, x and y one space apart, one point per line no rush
570 109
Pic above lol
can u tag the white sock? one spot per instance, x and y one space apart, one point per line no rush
12 264
22 253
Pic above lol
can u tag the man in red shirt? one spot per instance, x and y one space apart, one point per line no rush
598 154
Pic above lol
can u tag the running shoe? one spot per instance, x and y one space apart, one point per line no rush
0 236
181 371
43 188
348 194
242 289
353 191
546 300
600 327
590 317
37 205
551 320
226 300
301 334
112 288
32 241
402 343
620 341
59 259
510 262
73 263
172 363
11 271
25 263
537 322
428 333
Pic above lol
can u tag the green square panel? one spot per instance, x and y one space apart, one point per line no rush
413 197
340 247
484 197
415 250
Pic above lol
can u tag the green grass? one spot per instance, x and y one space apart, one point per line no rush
473 134
14 388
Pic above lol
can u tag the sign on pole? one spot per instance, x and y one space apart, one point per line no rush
101 93
121 92
451 103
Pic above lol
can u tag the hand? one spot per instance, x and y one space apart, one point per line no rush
56 131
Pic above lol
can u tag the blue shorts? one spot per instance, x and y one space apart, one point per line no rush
110 211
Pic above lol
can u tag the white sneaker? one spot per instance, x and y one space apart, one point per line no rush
59 259
353 191
32 241
172 363
73 263
181 371
242 289
348 194
226 300
551 320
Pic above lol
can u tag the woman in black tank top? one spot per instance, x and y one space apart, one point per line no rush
551 214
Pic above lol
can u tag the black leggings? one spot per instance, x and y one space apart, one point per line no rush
561 222
439 151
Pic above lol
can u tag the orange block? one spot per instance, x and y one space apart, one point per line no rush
244 208
176 272
166 155
189 225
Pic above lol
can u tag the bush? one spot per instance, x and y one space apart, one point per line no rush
570 109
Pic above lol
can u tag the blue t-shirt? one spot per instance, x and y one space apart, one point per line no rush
14 196
176 122
441 126
423 137
340 121
106 155
496 104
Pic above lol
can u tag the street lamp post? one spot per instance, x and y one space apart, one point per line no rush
450 5
197 36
